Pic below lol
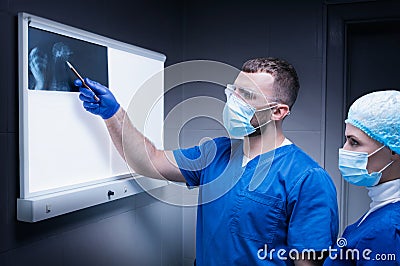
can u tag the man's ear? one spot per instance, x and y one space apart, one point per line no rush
280 112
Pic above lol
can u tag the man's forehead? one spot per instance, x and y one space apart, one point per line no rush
254 80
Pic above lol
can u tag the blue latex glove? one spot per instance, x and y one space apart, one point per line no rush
106 107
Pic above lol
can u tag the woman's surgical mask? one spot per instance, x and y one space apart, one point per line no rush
237 115
353 167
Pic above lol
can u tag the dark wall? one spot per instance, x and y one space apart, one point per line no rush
235 31
125 232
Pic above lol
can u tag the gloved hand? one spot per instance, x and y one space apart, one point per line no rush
106 107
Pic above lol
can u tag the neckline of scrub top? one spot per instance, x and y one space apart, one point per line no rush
246 160
382 195
263 158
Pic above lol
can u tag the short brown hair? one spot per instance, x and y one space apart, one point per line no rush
286 84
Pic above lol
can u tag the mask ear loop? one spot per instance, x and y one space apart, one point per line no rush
383 146
384 168
274 106
268 108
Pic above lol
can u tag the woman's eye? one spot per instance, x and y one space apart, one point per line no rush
353 142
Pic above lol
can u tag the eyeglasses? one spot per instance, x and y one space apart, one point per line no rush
251 97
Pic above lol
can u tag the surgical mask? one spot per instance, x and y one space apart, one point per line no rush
353 167
237 115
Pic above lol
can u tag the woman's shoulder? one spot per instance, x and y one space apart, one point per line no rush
388 215
382 224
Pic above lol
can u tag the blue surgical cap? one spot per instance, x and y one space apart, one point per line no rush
378 115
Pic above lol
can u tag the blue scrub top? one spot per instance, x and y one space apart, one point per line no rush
255 215
378 237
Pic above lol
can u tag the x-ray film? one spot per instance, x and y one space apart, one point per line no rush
48 53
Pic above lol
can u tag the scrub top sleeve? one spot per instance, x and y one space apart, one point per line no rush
193 161
189 163
314 219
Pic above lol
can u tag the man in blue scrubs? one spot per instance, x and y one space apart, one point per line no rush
262 200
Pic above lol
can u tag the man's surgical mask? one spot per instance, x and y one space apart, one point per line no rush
353 167
237 115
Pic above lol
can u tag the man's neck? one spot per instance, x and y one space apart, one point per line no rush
269 140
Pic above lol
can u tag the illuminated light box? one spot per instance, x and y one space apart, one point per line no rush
67 159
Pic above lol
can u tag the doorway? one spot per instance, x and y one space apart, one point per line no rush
363 55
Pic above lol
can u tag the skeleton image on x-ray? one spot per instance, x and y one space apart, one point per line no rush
37 66
48 68
47 56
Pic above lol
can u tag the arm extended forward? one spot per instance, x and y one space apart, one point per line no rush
138 152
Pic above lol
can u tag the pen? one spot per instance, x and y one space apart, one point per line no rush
80 77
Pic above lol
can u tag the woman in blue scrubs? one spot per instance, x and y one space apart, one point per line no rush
370 158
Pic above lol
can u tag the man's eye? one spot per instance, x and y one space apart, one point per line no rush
245 94
248 95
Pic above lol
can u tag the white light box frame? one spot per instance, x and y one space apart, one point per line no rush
67 159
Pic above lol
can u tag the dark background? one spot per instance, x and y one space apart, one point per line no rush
141 230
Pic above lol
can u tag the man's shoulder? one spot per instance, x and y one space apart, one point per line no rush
299 157
221 143
299 167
